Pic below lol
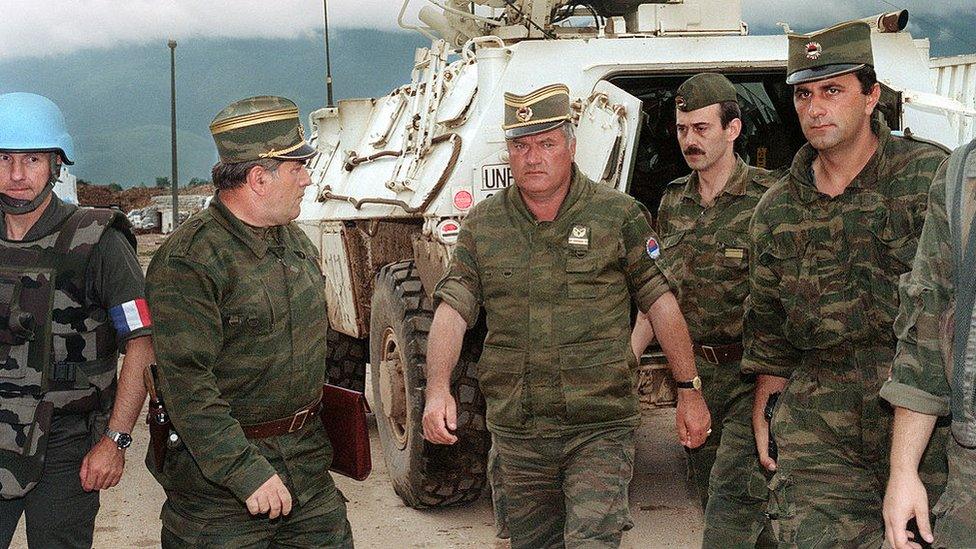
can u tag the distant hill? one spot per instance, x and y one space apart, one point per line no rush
117 101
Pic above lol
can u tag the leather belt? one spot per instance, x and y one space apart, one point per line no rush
285 425
719 354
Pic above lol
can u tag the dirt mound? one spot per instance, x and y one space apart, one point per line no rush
132 198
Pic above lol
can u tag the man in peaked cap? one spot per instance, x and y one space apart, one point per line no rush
237 292
555 261
704 225
829 242
72 297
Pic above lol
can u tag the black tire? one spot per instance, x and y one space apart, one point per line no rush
346 357
423 474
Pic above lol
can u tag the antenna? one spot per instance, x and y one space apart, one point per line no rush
328 60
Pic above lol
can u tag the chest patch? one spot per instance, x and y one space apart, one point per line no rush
653 249
579 237
735 253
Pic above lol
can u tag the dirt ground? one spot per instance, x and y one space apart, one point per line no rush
662 503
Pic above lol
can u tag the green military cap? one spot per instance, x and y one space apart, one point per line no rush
702 90
260 127
538 111
830 52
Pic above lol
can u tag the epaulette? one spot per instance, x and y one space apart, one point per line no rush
907 134
180 242
765 178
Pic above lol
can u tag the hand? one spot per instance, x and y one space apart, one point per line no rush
102 466
440 417
760 430
694 420
904 499
272 498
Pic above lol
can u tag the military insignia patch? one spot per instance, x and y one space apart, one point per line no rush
735 253
579 237
524 114
679 101
653 250
814 49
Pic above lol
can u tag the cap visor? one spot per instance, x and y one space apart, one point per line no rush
301 153
820 73
532 129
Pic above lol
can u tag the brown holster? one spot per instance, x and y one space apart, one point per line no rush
158 420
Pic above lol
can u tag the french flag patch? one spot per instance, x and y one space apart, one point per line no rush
130 316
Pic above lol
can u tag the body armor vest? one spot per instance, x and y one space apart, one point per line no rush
58 352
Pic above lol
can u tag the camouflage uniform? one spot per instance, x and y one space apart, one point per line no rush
240 340
74 389
705 254
920 378
823 296
557 371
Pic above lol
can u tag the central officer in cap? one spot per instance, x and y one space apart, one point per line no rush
556 261
829 242
240 311
704 223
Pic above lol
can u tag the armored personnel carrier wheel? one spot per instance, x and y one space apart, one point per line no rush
346 357
423 474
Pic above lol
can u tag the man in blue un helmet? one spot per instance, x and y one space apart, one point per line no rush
72 297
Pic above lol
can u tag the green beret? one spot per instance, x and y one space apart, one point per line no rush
260 127
702 90
538 111
830 52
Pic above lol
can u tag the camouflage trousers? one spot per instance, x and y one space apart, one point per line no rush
726 471
319 522
499 503
833 433
955 514
568 491
60 514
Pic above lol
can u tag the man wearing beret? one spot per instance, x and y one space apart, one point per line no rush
555 261
829 242
241 321
704 225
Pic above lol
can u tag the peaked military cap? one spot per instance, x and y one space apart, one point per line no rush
538 111
830 52
702 90
260 127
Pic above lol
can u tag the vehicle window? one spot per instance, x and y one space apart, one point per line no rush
770 136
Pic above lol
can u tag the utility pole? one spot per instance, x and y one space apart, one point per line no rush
172 94
328 61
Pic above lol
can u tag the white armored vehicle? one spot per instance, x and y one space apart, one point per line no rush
397 174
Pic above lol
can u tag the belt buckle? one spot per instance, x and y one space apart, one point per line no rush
301 422
709 350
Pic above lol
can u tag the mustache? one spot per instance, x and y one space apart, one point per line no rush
693 150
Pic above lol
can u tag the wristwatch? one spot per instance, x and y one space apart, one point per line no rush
122 440
694 383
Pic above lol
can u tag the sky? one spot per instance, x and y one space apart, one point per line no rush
41 28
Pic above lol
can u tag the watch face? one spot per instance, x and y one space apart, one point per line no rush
124 440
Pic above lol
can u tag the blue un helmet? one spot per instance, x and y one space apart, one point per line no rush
33 123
